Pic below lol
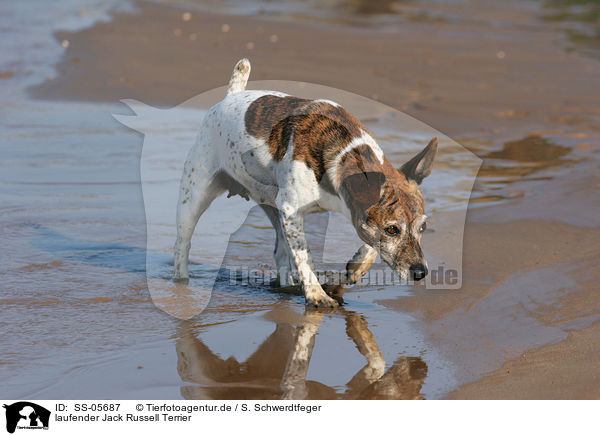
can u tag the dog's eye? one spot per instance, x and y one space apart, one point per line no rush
392 230
423 227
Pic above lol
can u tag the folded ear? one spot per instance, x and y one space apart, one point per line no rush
361 176
363 190
419 166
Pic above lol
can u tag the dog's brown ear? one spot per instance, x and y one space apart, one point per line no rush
363 190
419 166
361 178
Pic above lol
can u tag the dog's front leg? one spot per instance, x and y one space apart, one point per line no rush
293 383
293 225
358 330
360 263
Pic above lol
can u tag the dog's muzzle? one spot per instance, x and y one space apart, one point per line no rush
418 271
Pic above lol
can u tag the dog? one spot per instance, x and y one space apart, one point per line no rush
295 156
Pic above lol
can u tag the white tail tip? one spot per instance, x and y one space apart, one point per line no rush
240 76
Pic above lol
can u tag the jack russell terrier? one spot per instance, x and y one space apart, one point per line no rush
295 156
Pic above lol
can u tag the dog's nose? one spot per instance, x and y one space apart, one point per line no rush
418 271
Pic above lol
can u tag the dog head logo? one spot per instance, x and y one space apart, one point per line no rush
26 415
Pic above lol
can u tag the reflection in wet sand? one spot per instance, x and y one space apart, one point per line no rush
370 7
521 158
533 148
531 158
278 368
581 22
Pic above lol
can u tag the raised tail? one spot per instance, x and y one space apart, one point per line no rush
239 78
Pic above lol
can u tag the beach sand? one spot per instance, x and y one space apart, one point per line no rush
530 263
448 76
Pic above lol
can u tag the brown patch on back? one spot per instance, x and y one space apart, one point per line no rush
265 119
320 129
322 133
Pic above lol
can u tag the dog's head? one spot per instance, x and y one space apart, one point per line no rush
388 210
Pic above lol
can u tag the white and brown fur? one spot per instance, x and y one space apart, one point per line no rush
294 156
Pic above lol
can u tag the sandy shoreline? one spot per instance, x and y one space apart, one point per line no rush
450 79
448 76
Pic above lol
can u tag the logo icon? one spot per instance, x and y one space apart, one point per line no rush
26 415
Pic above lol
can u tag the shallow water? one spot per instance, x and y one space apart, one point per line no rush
74 297
77 317
75 302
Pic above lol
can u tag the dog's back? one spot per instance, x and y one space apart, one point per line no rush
260 137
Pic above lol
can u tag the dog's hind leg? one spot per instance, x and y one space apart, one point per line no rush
282 254
199 187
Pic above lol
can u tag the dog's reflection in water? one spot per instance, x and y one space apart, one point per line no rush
278 368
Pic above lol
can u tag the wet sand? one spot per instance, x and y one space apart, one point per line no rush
449 76
567 370
528 313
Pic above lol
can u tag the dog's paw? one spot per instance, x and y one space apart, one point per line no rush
316 297
360 263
